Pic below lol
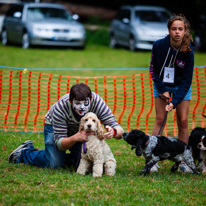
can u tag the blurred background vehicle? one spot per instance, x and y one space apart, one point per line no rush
42 24
200 33
138 27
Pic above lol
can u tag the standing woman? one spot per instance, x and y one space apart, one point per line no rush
171 68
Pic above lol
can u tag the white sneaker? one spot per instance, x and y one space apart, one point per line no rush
17 152
155 168
184 168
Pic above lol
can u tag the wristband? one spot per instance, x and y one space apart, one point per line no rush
115 132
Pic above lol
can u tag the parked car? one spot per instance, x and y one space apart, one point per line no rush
42 24
138 27
200 33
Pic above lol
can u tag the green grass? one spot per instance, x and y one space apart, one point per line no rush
28 185
97 54
93 56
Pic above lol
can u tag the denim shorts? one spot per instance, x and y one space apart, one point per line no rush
172 90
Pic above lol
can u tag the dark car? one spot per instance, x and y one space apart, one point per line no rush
42 24
200 34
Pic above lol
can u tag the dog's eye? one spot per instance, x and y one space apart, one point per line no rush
86 120
94 120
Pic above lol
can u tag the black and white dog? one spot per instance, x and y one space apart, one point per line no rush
155 148
197 141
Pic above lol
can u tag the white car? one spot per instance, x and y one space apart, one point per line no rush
138 27
42 24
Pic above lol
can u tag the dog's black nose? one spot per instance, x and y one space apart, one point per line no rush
125 135
199 146
89 126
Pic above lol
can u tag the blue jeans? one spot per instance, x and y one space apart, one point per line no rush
50 156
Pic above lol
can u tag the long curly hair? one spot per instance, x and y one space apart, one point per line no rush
187 39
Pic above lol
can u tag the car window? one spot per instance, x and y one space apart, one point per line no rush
152 16
43 13
14 9
120 15
127 14
124 13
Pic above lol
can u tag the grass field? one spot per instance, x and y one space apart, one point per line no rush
28 185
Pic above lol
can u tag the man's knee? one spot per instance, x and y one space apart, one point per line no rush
55 164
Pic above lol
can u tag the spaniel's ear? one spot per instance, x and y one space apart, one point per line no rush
138 150
100 130
81 126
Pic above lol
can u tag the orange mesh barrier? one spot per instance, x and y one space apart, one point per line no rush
25 97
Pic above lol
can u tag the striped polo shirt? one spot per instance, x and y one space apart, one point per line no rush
61 117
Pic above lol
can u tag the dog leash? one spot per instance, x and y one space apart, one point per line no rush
84 147
79 158
160 96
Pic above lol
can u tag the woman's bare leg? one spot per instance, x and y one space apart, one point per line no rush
160 114
182 110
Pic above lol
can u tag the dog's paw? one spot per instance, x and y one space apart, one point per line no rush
143 172
80 172
196 172
110 174
174 168
97 175
204 172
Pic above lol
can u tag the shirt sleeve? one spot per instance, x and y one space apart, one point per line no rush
154 71
59 122
103 112
186 81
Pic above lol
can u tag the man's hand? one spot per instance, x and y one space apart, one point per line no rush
110 132
81 136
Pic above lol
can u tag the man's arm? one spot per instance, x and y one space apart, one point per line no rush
68 142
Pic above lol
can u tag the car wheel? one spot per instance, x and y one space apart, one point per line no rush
132 43
4 39
113 41
25 41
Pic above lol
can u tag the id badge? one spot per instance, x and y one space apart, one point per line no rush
169 74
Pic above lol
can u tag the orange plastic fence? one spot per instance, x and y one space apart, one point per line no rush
25 98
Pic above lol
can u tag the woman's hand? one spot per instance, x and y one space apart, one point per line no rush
169 107
165 97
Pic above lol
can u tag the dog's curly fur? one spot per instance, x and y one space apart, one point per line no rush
197 141
155 148
99 157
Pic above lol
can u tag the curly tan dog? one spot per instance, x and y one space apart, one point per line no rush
98 157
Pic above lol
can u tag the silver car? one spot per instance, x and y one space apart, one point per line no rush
42 24
138 27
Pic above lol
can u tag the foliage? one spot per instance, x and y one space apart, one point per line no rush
96 20
98 37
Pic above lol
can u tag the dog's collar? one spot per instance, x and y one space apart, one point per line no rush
84 147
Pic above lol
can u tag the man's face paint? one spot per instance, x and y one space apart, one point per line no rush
81 107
